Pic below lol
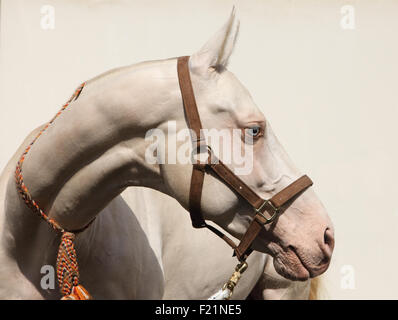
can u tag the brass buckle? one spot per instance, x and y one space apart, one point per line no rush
234 279
274 209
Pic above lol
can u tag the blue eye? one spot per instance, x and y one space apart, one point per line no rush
253 131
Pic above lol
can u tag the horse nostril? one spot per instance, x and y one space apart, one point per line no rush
328 238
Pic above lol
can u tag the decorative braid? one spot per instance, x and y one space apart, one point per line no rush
67 268
21 187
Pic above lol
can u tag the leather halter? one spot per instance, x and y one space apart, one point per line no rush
265 210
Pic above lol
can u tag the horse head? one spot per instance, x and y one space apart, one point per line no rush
301 239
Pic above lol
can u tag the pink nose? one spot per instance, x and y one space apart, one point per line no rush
327 249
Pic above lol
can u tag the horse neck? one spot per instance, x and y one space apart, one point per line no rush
96 147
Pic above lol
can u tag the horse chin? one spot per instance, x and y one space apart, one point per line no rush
286 261
291 268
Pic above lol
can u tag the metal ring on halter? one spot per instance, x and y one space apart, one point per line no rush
274 209
195 152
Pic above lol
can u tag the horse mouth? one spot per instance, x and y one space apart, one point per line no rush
289 264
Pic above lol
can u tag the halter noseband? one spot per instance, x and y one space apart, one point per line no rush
265 210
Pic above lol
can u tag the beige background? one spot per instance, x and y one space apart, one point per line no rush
330 94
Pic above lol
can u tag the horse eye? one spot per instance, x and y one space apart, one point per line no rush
253 131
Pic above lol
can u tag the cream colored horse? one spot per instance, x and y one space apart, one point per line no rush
141 244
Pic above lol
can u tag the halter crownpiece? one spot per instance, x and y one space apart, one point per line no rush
266 211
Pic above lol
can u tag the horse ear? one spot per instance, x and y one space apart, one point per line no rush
216 52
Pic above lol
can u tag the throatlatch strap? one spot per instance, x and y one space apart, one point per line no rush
195 197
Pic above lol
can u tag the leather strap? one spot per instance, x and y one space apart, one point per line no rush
188 97
277 201
261 206
282 198
195 197
193 121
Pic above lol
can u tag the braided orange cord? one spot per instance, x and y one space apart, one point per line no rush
67 268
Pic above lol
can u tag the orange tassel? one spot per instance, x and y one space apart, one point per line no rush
78 293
